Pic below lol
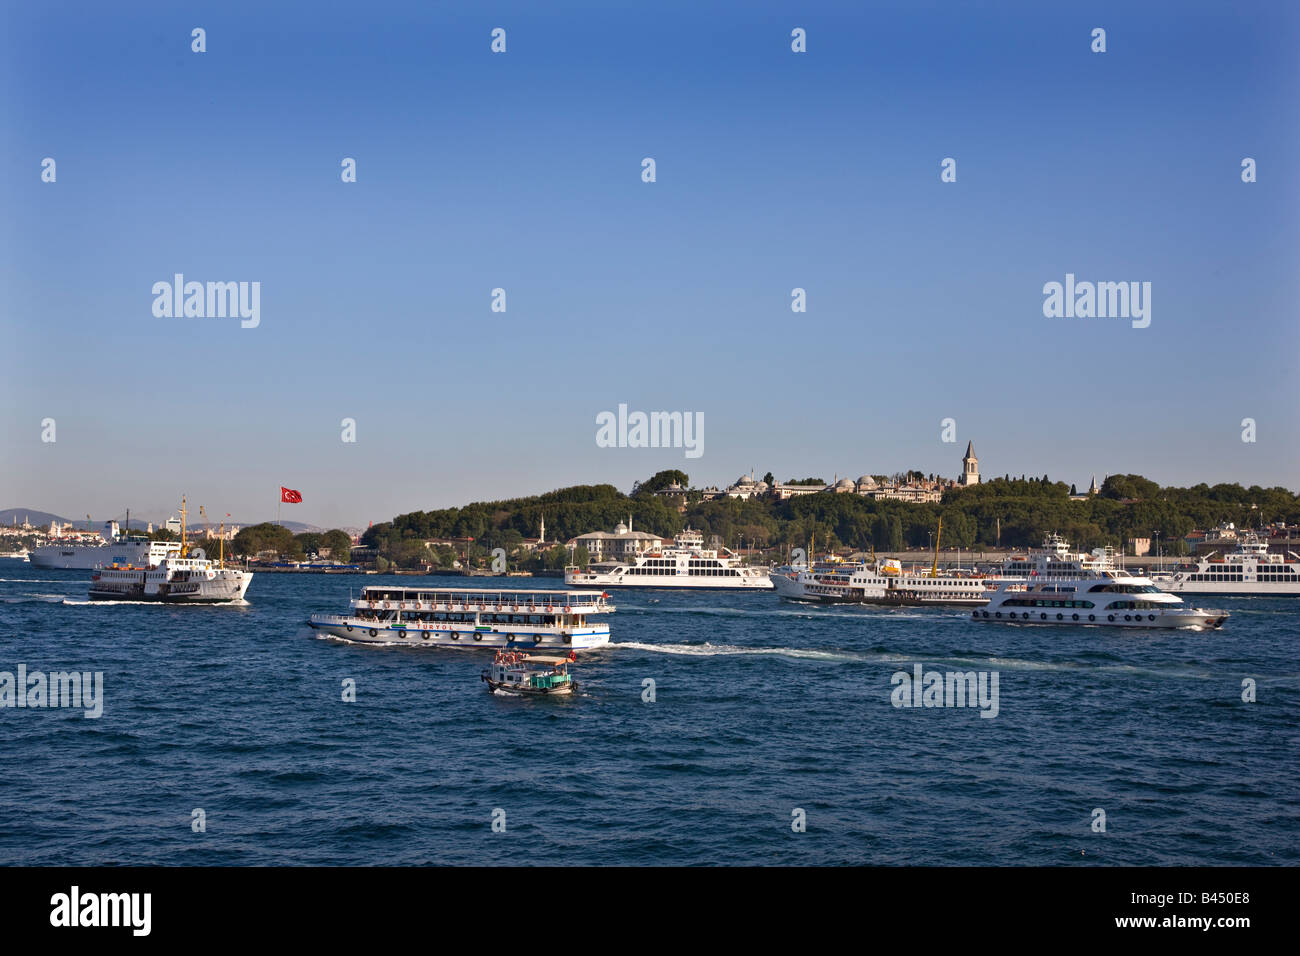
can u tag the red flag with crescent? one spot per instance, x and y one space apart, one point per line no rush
289 496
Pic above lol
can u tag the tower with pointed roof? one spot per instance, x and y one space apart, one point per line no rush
970 465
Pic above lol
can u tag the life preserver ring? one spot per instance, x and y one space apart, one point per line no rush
455 636
373 632
997 613
985 613
550 609
478 637
372 602
1042 617
1025 615
537 638
568 610
1076 617
388 604
532 608
1061 617
1110 617
1128 617
1151 617
401 605
1092 617
974 613
349 627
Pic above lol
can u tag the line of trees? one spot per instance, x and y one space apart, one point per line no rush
1007 511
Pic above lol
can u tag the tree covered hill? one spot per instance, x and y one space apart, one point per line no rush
1014 512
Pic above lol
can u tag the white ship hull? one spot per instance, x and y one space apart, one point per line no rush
458 635
191 583
1184 617
613 579
1250 571
865 586
87 557
520 619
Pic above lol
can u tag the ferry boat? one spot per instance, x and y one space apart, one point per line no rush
461 617
684 564
878 582
513 672
1250 570
112 548
1114 598
184 575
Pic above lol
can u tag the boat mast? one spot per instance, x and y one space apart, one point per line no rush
934 571
184 547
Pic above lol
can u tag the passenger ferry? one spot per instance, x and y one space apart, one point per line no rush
180 575
1112 598
878 582
460 617
1250 570
185 577
684 564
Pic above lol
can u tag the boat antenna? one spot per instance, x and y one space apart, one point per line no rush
184 547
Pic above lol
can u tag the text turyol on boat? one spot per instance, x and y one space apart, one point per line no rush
461 617
184 575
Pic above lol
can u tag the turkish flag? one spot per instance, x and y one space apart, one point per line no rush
289 496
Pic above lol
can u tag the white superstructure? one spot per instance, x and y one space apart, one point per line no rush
112 548
460 617
685 564
1250 570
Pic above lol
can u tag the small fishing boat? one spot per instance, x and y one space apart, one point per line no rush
514 672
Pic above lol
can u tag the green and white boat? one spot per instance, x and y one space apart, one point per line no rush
529 675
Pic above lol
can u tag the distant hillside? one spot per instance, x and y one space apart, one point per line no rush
38 518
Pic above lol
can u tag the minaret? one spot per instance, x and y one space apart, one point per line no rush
970 466
542 536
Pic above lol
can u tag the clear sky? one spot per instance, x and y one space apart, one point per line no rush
523 171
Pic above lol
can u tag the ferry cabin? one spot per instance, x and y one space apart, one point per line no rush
473 618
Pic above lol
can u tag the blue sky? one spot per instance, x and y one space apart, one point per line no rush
522 170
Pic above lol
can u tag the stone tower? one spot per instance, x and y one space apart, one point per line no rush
970 474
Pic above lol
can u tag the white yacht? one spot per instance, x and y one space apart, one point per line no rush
684 564
1113 598
1055 586
112 547
1250 570
460 617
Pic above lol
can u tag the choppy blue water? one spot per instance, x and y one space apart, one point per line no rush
761 707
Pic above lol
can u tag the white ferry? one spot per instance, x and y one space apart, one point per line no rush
684 564
183 575
878 582
459 617
1250 570
112 548
186 577
1113 598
